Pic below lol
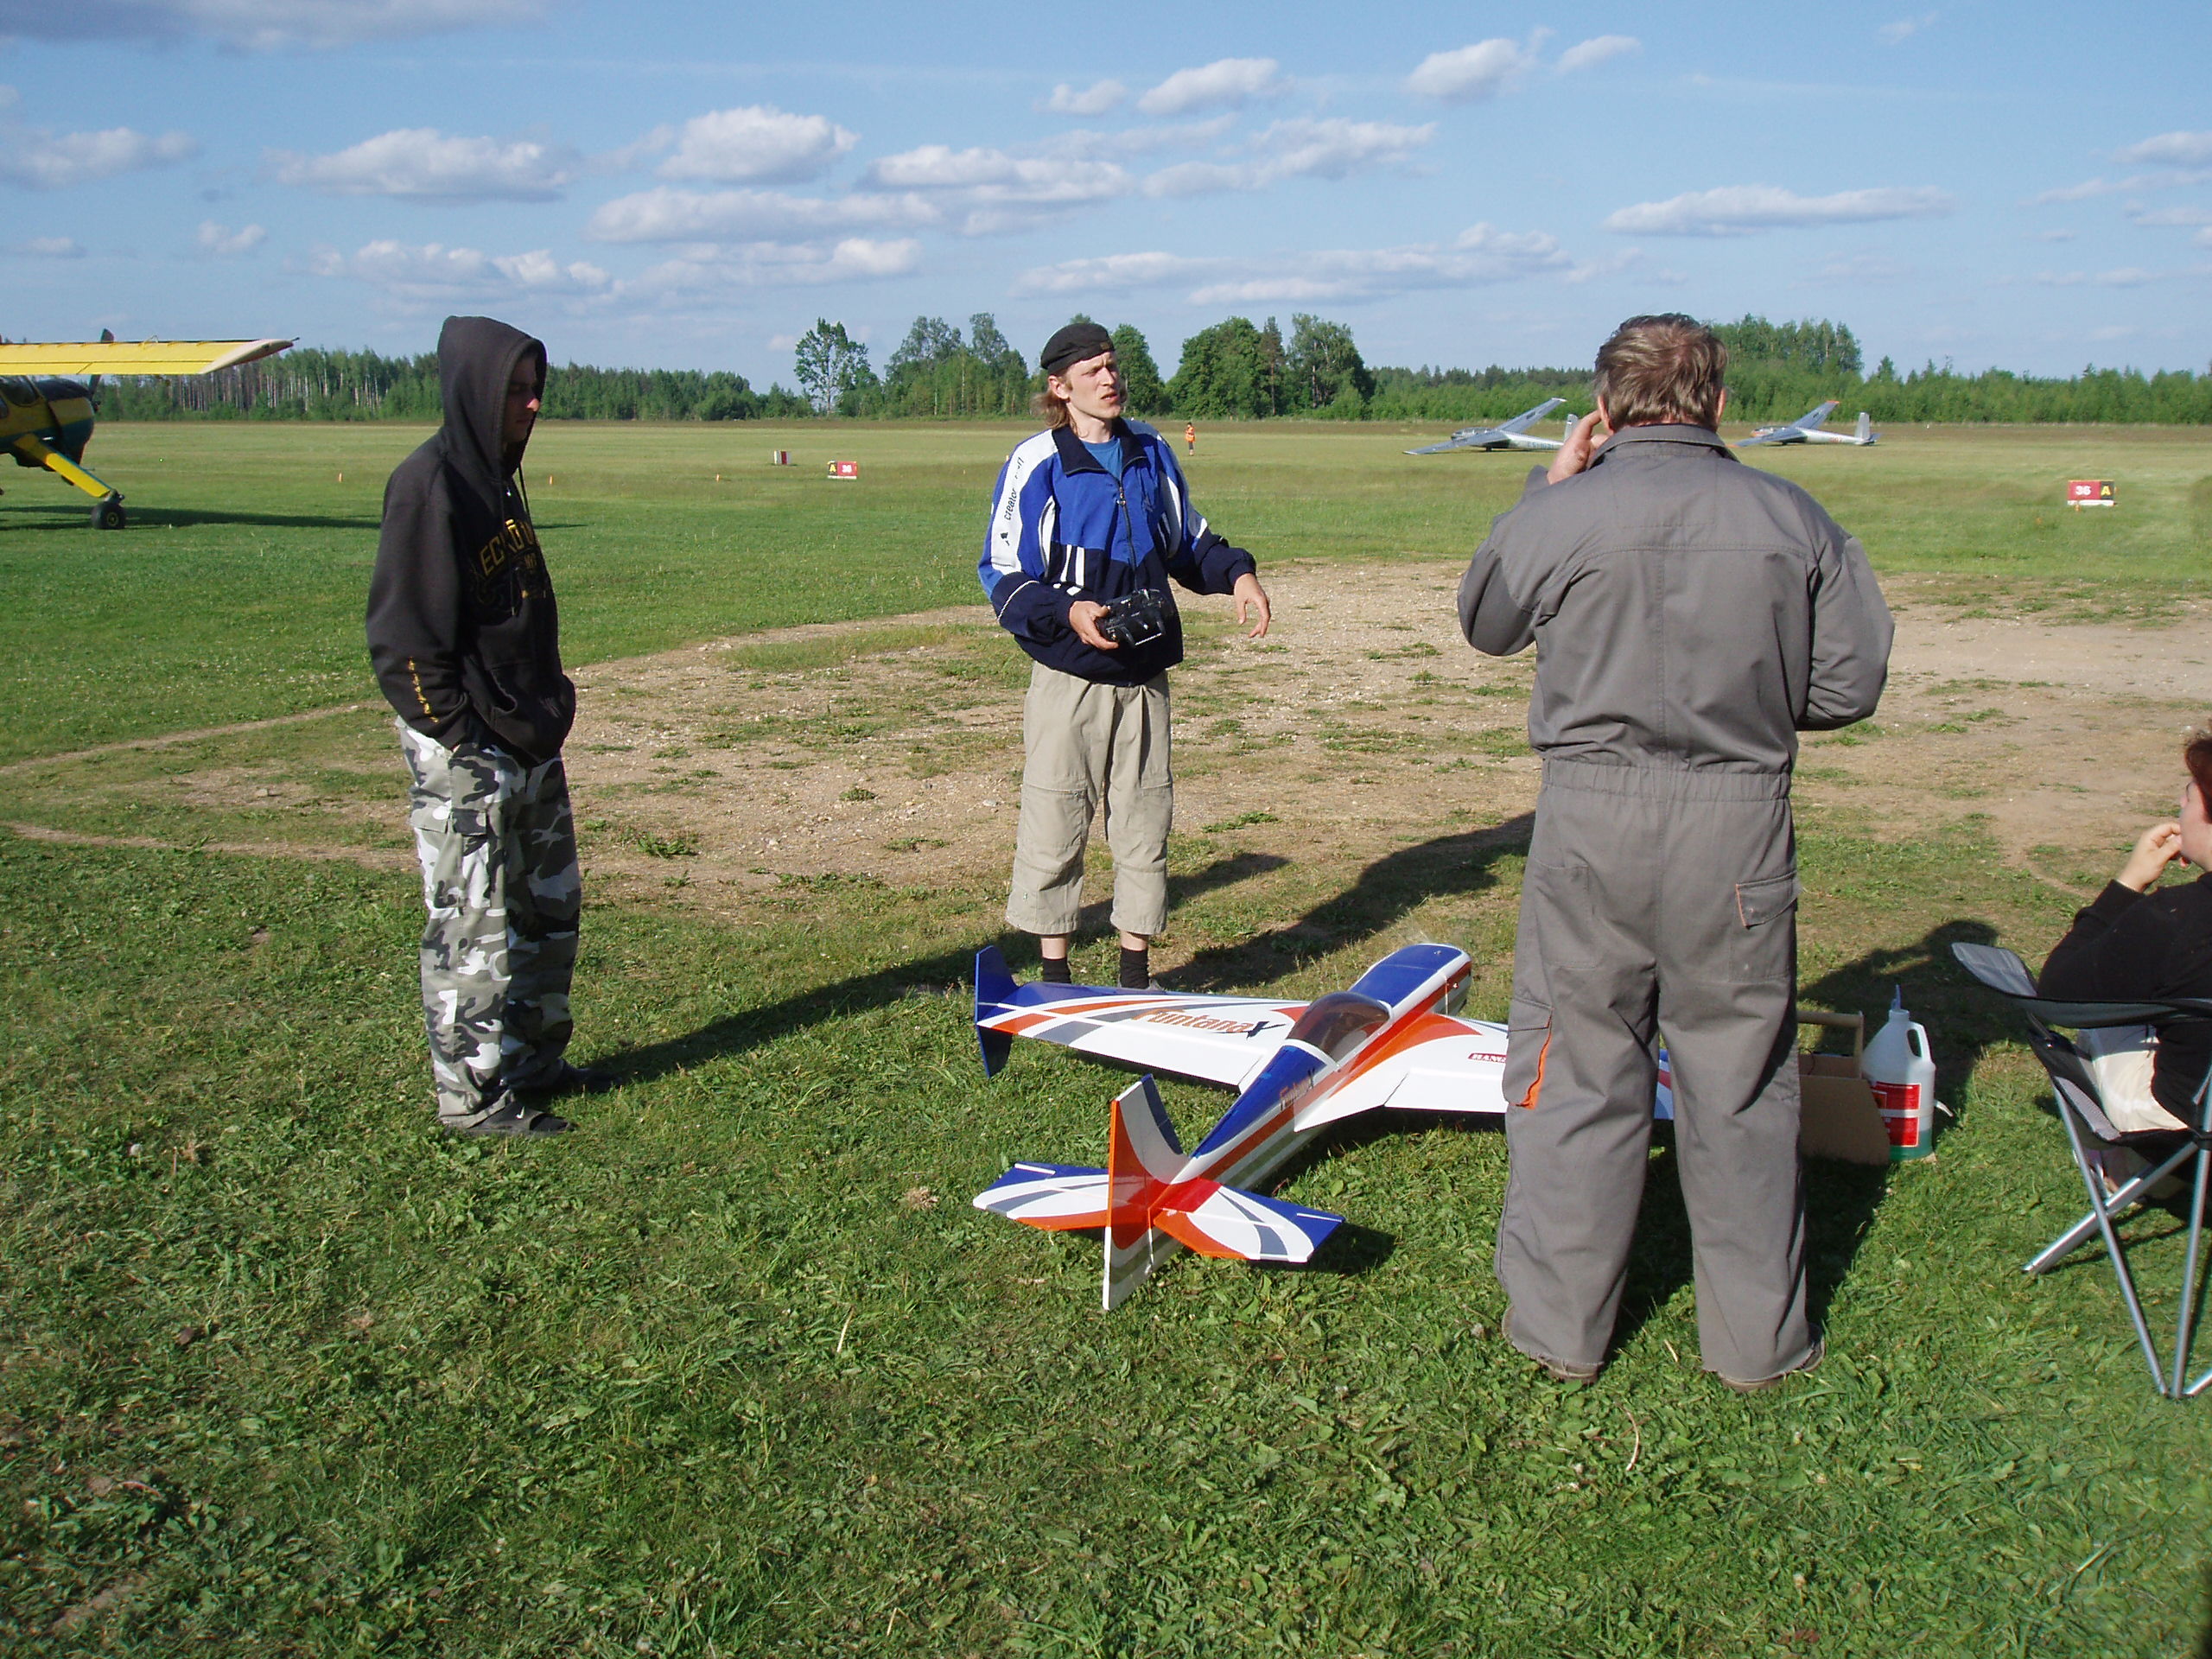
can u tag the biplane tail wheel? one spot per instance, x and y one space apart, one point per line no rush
108 515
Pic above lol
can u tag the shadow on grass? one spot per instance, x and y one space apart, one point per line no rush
739 1031
1386 890
2204 1638
1841 1199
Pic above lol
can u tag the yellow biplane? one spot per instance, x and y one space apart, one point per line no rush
46 411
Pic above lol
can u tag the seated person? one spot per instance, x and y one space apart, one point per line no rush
2138 940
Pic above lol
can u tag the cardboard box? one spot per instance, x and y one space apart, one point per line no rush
1840 1119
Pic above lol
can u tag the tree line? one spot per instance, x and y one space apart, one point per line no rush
1235 369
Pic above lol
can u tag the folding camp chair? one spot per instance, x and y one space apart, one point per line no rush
2081 1109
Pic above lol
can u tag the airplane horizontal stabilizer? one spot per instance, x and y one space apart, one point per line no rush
1059 1198
1227 1221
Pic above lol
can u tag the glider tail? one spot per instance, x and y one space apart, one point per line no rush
1866 433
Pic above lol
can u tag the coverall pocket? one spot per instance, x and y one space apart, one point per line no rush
1560 912
1765 933
1528 1037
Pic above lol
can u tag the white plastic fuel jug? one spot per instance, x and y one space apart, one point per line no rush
1899 1070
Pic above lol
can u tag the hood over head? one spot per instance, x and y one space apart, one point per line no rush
475 357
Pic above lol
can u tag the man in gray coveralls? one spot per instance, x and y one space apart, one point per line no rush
1691 615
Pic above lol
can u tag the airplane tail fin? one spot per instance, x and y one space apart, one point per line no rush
1566 432
994 989
1151 1214
1866 433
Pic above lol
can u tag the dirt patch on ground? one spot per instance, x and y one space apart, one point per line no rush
891 750
1361 721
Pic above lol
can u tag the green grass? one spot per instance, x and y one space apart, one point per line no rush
737 1369
237 593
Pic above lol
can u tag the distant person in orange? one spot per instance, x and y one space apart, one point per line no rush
1190 438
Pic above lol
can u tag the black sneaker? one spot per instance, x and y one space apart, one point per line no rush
571 1080
510 1117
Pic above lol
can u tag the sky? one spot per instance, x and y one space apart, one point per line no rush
2023 186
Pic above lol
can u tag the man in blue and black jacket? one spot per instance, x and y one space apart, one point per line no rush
1090 511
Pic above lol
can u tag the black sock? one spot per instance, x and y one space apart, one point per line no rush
1053 970
1136 968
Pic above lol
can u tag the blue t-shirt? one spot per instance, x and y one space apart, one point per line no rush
1109 455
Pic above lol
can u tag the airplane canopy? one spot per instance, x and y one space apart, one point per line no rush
135 357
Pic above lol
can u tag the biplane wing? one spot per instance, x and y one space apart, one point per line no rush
90 357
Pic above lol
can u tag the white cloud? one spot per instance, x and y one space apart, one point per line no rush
663 214
2058 236
2134 182
1083 141
1001 191
1601 49
781 264
1227 83
2176 149
47 247
1742 209
422 163
2202 239
1112 272
1479 255
40 159
432 274
223 243
2126 276
1333 149
1483 70
2183 217
1093 99
1905 28
262 25
757 143
1852 269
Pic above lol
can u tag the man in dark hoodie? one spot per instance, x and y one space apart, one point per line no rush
465 644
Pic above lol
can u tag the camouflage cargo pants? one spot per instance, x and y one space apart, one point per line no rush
499 853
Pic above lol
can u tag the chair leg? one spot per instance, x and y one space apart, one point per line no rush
2182 1332
2113 1247
2126 1197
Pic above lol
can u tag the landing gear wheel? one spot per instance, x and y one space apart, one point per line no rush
108 515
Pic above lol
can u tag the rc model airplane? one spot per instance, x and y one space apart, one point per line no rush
1805 429
1507 435
1390 1040
47 422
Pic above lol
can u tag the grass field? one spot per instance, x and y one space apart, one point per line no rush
737 1370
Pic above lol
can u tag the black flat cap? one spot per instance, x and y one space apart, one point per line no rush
1076 343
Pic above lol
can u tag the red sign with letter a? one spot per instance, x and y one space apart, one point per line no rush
844 469
2089 493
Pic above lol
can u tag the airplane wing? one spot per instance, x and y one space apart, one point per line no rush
77 357
1219 1040
1528 418
1438 1063
1818 417
1470 439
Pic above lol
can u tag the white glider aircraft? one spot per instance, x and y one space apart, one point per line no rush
1507 435
1805 429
